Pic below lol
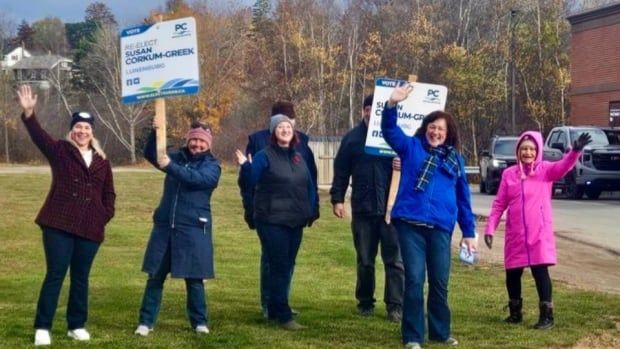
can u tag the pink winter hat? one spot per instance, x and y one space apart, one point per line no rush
200 133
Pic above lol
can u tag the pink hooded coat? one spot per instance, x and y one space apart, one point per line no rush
525 190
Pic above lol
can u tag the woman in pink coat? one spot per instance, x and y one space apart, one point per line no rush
525 191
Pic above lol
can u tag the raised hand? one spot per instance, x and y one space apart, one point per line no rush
163 161
400 93
27 100
241 158
583 140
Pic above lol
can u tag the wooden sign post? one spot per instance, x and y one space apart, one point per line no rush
395 178
160 132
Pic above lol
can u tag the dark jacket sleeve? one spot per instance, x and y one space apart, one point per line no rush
204 177
342 172
39 136
109 195
243 183
251 147
150 149
393 135
249 175
465 215
306 152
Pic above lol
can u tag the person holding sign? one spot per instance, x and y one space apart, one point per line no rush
371 176
181 240
432 196
79 205
279 190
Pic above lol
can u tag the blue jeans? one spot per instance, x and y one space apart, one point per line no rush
196 297
425 249
65 251
280 246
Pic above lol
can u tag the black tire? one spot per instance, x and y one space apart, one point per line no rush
593 193
573 191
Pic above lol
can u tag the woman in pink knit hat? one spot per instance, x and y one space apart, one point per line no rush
525 191
181 240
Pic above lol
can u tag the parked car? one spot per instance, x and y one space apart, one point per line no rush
500 154
598 168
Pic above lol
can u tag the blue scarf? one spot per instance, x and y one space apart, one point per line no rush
450 164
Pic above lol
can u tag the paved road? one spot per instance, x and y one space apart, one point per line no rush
595 222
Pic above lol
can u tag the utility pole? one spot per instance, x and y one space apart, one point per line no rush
513 22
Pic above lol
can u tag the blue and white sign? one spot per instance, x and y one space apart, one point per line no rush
424 99
159 60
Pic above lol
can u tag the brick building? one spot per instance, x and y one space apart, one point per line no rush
595 67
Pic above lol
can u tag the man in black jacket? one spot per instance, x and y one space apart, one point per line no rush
371 176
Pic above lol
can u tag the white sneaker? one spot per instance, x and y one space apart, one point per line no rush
142 330
42 337
79 334
202 329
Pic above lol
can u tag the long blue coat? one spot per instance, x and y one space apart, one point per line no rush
183 217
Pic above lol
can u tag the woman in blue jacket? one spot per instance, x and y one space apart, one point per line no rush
433 195
282 196
181 242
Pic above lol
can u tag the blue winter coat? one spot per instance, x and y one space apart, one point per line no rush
446 198
183 217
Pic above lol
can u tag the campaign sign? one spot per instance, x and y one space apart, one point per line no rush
424 99
159 60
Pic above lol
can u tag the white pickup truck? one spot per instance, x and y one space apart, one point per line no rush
598 168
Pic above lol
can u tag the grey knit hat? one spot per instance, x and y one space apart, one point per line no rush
277 119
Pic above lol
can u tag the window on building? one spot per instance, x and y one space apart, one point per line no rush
614 113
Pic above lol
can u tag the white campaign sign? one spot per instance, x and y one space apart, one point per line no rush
159 60
424 99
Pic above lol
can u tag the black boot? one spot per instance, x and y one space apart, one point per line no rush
515 306
545 321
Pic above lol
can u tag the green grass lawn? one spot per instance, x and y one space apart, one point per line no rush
323 286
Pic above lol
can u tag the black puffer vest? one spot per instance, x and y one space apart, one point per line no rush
281 195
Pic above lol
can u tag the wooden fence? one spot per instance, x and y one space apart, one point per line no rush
325 149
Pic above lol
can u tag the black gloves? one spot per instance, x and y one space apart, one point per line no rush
583 140
248 216
488 240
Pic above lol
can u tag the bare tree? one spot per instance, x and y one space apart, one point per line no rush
49 36
101 70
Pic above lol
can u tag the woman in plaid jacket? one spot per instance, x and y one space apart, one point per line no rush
78 206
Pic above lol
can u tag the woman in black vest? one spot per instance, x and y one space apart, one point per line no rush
283 200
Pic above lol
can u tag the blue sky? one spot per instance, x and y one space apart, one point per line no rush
127 12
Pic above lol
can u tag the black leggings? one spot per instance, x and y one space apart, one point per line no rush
541 277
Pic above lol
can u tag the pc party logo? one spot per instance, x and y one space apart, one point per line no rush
181 30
